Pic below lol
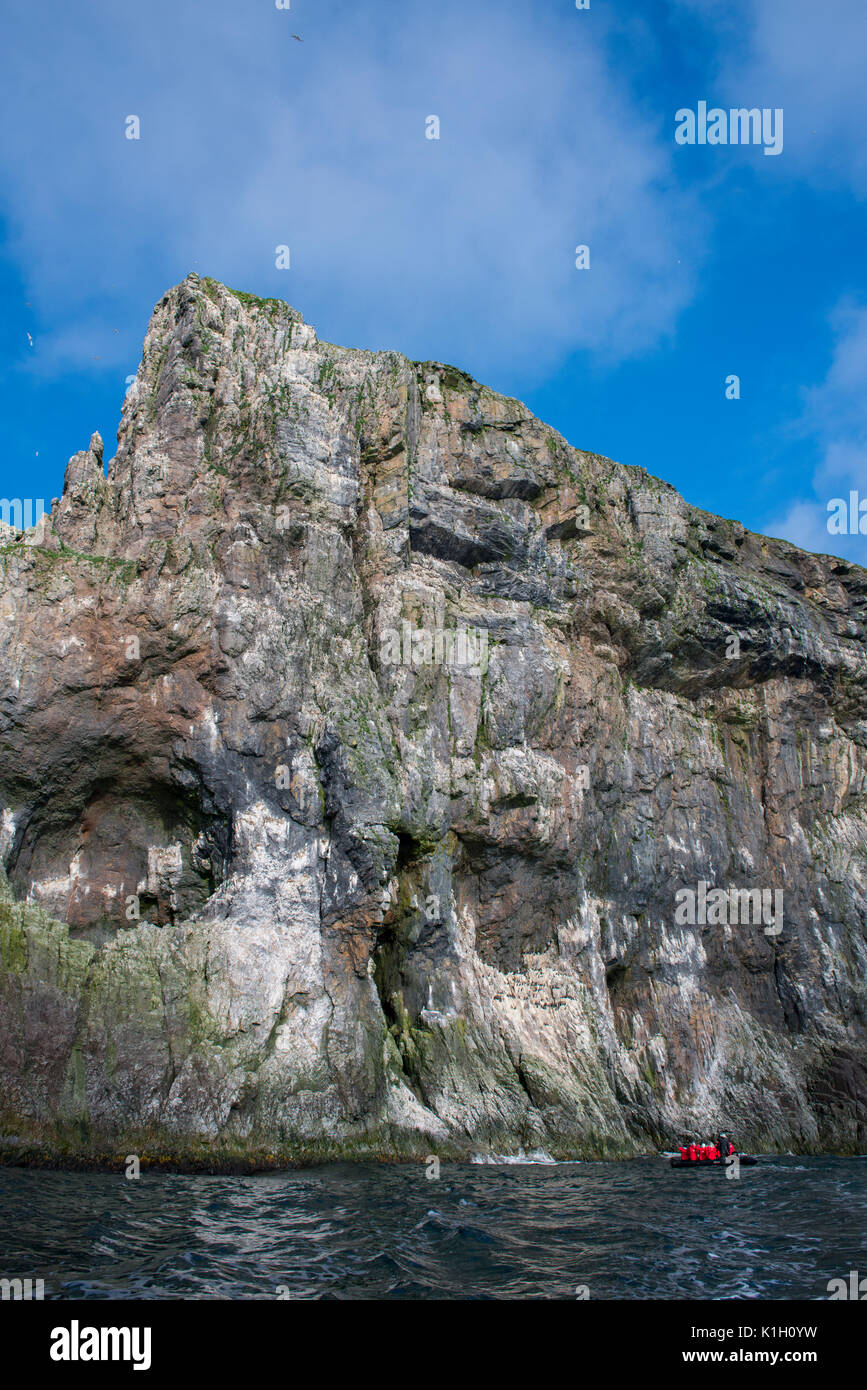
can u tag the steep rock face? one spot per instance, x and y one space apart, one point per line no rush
358 736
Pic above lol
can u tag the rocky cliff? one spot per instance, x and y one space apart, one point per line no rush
381 775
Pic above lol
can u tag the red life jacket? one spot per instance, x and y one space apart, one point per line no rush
684 1152
693 1153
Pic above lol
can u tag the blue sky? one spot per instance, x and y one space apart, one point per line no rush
557 129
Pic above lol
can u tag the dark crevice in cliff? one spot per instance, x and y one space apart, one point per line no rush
789 1003
525 1082
388 954
615 976
408 849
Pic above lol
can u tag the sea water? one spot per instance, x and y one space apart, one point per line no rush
533 1229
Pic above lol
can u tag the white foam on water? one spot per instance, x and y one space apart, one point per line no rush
534 1156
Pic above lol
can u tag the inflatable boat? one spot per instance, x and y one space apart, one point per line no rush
717 1154
744 1161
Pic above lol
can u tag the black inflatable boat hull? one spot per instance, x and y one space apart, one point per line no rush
745 1161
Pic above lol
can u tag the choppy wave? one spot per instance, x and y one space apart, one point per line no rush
501 1229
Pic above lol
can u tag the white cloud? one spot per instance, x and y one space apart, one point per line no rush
804 524
808 58
461 248
835 415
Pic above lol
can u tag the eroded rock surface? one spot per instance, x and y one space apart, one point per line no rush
292 870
